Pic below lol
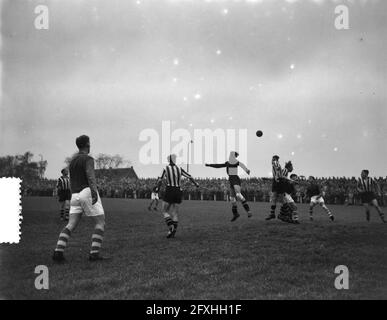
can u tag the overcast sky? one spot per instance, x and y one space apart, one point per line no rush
111 69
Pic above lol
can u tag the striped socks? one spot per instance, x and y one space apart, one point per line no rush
63 239
62 212
329 213
169 222
96 241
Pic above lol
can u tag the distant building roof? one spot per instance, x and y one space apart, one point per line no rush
117 173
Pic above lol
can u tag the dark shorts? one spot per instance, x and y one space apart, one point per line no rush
234 181
64 195
173 195
280 186
367 197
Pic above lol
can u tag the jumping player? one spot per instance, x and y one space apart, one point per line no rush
173 193
279 181
155 197
64 194
84 199
367 187
235 182
316 198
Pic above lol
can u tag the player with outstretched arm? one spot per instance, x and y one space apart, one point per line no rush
235 183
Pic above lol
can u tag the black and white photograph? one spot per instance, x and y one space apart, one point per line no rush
193 151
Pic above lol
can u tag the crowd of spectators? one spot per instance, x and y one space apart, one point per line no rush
337 190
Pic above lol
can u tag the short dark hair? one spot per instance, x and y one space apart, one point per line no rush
366 172
63 171
275 157
82 141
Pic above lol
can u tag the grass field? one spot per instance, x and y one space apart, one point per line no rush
210 258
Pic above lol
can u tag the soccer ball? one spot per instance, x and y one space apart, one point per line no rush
259 133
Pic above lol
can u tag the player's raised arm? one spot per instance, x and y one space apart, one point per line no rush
216 165
189 177
162 176
242 165
90 175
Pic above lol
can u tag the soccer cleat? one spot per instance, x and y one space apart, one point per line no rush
149 208
270 216
311 218
97 257
155 209
332 218
171 233
58 257
296 222
249 214
236 216
368 218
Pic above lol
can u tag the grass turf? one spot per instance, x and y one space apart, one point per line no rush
210 258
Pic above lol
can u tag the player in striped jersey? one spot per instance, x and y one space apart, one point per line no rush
173 193
279 181
235 182
367 187
64 194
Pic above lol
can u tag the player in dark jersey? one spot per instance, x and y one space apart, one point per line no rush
289 211
155 197
315 194
367 187
64 194
85 200
235 183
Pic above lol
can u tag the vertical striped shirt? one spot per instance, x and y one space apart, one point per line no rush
276 170
173 175
366 185
63 183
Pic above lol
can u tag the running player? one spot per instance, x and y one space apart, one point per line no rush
155 196
173 193
64 194
84 199
235 182
367 187
316 198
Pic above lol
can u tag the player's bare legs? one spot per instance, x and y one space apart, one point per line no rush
241 198
311 206
367 210
375 204
175 219
156 205
65 235
273 206
234 206
167 217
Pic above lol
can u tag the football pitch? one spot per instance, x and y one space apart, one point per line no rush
210 258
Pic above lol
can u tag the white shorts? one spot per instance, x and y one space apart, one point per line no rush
82 203
154 196
317 200
287 198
